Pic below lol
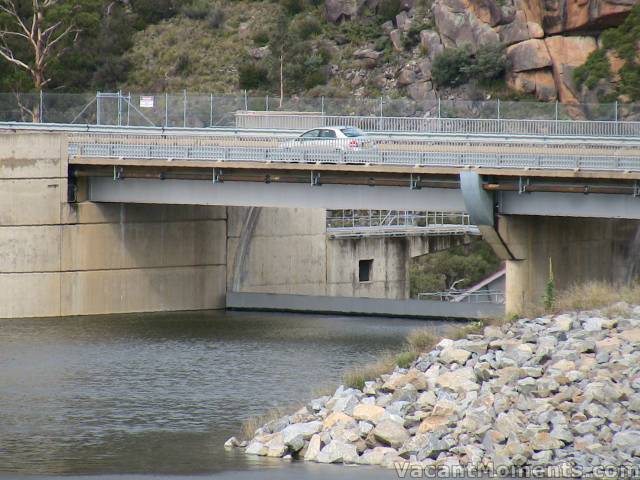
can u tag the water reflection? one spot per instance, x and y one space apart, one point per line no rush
160 393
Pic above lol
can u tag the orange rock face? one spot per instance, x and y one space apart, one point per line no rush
570 15
566 54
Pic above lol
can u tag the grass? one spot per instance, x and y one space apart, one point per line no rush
594 295
251 424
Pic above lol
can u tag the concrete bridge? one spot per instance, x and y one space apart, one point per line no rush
534 198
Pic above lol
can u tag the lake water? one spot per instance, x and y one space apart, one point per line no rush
159 394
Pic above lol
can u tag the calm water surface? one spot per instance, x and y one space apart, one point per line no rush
159 394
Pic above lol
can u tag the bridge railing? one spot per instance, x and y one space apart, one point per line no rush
575 128
388 151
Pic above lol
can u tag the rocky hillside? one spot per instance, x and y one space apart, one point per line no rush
552 390
416 48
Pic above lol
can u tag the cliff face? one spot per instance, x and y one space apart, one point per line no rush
545 39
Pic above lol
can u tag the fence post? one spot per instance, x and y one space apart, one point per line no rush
166 109
381 107
616 110
266 103
41 106
556 121
184 108
246 103
98 108
498 109
119 108
211 111
322 105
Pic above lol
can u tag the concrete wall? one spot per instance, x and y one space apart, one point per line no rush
79 259
287 251
580 249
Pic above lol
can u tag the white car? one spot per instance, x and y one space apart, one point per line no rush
337 138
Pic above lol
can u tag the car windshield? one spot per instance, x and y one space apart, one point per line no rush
352 132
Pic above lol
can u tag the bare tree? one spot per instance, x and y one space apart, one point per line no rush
43 40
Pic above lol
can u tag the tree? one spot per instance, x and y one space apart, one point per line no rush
30 41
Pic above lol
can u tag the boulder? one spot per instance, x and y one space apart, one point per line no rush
313 449
369 413
568 15
390 433
545 441
338 451
459 26
432 423
256 448
376 455
413 377
422 91
276 446
529 55
403 21
460 379
396 39
295 435
336 418
516 31
431 43
627 441
406 77
368 53
454 355
338 10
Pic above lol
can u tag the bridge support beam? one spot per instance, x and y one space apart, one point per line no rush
579 250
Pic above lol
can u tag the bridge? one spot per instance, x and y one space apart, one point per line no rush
556 195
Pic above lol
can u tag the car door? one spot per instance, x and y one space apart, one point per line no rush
310 138
328 138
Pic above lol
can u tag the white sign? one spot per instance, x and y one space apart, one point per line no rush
146 102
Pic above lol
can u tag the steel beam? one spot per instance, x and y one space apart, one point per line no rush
201 192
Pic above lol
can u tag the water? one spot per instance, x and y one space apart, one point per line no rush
159 394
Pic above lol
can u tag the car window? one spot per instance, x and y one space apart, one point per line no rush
352 132
310 134
328 134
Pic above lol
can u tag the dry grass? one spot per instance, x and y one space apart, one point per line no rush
251 424
356 377
592 295
422 339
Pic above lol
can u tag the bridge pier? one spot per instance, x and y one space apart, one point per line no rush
578 249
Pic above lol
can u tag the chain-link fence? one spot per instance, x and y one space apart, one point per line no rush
200 111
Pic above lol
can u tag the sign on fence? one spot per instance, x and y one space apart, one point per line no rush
146 101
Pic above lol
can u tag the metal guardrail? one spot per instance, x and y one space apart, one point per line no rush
391 151
395 223
480 296
448 125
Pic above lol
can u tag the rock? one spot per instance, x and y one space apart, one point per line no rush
631 336
566 54
458 27
406 77
421 91
430 43
338 10
345 403
313 449
566 16
364 428
413 377
231 443
336 418
628 441
528 55
367 53
338 451
260 52
256 448
376 455
593 324
432 423
454 355
403 21
396 39
460 379
276 446
369 413
562 433
433 447
516 31
295 435
390 433
608 345
545 441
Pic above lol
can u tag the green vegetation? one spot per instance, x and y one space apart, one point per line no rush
405 359
623 41
457 66
460 267
549 298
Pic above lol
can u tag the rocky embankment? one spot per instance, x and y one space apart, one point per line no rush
561 389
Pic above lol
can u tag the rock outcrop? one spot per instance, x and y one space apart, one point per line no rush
561 389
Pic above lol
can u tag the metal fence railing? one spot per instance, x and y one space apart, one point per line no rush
587 155
460 296
187 110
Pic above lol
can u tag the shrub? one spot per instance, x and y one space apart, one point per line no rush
183 64
388 9
421 340
449 69
196 10
307 27
596 67
215 18
489 63
252 76
292 7
630 81
405 359
261 38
